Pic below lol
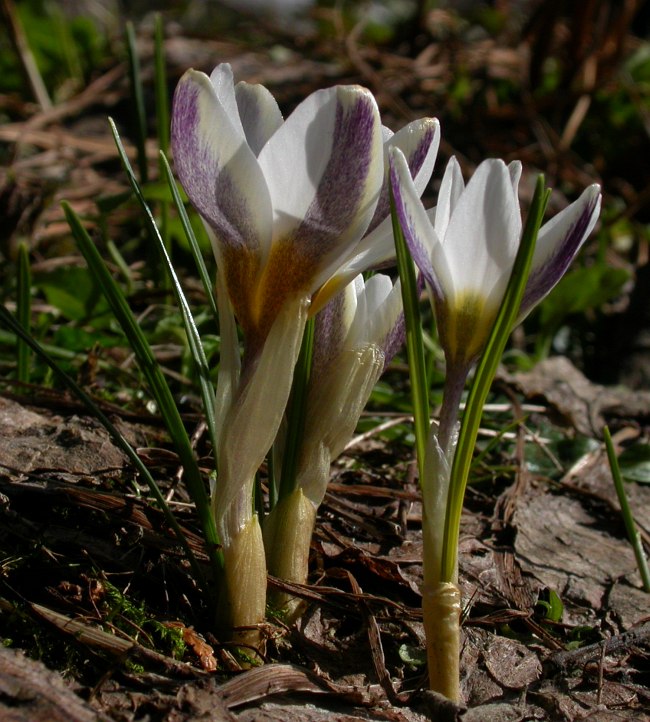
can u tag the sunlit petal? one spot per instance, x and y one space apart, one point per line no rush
224 87
259 114
450 191
557 244
218 170
324 170
414 221
483 234
419 141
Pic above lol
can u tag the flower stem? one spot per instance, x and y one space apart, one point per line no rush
451 397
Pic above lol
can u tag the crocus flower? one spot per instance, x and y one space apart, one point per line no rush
465 249
466 246
293 209
355 337
287 202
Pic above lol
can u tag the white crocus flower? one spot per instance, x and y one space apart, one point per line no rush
292 209
465 249
355 337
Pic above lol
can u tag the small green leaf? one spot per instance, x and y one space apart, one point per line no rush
73 292
634 463
552 605
412 656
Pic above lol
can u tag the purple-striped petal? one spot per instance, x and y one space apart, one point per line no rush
217 168
324 169
331 327
416 226
558 242
419 141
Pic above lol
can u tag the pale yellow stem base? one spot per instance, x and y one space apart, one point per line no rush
287 537
441 610
243 598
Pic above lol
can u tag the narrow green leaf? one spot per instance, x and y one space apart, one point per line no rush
138 100
162 118
196 347
155 378
160 82
628 519
414 341
483 378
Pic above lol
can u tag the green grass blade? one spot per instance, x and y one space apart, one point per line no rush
24 312
414 341
485 372
296 413
208 284
117 437
628 519
138 101
157 383
193 337
160 83
162 117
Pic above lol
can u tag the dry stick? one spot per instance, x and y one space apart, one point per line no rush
562 662
376 648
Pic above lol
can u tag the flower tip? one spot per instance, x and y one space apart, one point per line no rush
354 93
396 156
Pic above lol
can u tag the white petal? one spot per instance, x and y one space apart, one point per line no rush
558 242
483 234
224 87
515 168
451 189
324 169
419 234
219 172
259 114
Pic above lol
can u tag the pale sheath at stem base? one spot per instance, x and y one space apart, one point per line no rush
242 601
289 528
441 609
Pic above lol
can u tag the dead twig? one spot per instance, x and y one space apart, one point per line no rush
562 662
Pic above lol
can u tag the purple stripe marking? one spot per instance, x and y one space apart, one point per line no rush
328 334
542 280
418 251
341 188
415 161
394 340
209 187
